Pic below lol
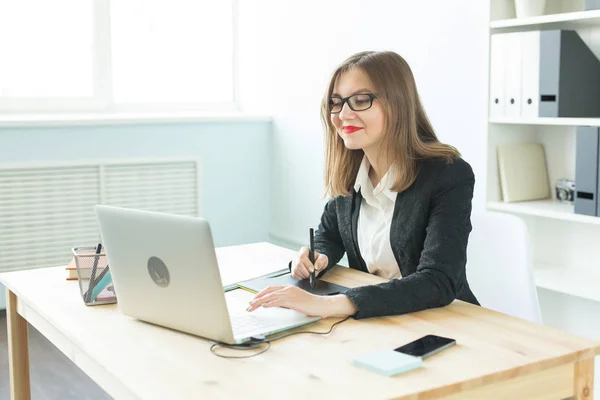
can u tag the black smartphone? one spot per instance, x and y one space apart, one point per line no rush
426 346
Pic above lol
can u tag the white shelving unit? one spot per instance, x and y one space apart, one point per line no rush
544 208
547 121
566 246
560 280
570 20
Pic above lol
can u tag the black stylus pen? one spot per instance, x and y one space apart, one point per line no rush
311 257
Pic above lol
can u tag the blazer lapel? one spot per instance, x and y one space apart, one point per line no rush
400 230
356 202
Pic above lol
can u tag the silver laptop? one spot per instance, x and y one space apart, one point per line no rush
165 271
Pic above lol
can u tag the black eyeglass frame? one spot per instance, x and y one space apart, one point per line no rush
372 96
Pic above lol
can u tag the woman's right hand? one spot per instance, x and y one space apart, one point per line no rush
302 267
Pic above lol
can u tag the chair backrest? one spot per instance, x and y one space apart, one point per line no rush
500 265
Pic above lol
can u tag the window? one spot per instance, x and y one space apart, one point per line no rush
114 55
44 51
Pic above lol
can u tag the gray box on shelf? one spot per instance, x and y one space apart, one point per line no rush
586 170
592 5
569 76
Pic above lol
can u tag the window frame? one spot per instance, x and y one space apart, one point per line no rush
102 100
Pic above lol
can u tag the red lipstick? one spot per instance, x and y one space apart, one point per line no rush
351 129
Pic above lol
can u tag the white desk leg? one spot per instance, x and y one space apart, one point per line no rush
584 379
18 350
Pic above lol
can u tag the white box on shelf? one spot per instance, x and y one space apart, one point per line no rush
529 8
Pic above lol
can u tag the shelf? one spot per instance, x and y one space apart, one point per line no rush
578 283
543 208
572 20
547 121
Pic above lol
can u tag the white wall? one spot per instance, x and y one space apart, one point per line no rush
287 52
243 172
289 49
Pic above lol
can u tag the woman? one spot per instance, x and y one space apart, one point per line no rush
401 200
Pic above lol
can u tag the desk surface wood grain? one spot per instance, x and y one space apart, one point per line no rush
133 359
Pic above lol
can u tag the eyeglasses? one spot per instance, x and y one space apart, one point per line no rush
356 102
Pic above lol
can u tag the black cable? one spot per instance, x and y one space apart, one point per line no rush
316 333
250 346
255 344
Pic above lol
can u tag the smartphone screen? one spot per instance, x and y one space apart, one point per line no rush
426 346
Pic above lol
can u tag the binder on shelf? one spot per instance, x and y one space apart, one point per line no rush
530 74
543 74
569 76
513 74
522 172
586 170
497 75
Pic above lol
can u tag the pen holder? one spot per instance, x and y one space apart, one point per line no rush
93 273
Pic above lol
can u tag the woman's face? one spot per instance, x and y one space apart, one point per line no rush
358 129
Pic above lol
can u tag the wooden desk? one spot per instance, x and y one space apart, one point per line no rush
495 356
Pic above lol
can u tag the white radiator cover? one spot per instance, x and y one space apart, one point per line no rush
47 209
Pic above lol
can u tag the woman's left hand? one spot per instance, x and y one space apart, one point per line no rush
291 297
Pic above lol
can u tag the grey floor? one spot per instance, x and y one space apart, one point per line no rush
53 375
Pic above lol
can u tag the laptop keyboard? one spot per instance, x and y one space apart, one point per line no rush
250 324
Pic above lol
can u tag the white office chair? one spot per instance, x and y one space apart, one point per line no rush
500 265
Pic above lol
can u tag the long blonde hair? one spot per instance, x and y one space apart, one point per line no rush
408 134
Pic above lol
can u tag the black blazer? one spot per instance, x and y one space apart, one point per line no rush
429 232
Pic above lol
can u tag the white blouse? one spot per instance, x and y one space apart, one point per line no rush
374 222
